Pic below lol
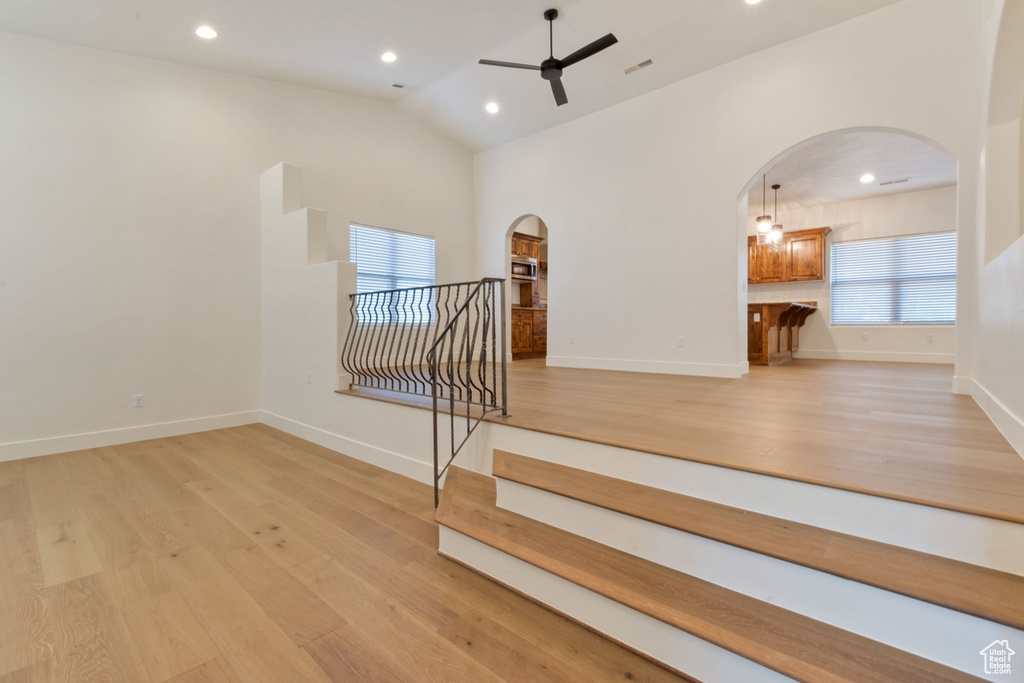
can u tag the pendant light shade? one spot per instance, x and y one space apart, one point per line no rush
775 230
764 221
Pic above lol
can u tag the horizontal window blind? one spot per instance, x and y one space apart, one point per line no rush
388 260
895 280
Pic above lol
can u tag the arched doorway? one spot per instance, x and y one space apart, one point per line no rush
526 259
861 191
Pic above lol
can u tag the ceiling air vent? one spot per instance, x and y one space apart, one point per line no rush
397 85
637 67
893 182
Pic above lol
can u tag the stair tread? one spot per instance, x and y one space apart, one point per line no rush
979 591
790 643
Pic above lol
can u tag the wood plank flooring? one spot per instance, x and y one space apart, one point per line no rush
248 555
795 645
889 429
979 591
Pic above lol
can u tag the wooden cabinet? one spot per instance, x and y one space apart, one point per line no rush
773 330
526 245
529 323
529 332
801 258
522 332
526 293
540 331
806 254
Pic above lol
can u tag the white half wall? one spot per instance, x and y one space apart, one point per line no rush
643 196
304 320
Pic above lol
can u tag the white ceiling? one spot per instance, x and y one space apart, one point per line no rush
336 45
828 170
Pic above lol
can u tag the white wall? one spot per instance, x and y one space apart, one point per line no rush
643 196
130 244
998 383
899 214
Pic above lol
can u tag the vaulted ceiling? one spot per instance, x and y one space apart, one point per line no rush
337 44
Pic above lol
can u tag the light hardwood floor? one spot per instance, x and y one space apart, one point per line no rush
249 555
889 429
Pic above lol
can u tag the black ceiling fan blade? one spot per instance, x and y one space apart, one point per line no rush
559 91
589 50
511 65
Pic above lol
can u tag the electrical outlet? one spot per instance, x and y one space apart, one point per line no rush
931 337
679 342
309 376
572 339
863 336
138 400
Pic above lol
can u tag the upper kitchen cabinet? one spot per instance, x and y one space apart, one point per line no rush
801 258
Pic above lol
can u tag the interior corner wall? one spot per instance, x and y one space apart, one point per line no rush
130 246
997 383
643 195
907 213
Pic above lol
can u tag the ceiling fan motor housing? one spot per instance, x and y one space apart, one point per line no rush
551 69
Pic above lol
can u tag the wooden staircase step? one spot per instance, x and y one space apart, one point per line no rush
979 591
789 643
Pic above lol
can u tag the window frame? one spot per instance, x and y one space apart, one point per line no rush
388 267
908 266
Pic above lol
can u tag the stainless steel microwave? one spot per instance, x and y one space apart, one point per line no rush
524 268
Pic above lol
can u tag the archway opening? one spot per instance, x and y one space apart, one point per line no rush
862 210
526 259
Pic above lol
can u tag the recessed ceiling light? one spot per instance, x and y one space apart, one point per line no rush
492 107
753 2
867 178
206 32
388 57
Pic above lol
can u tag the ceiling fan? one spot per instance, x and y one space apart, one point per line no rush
551 68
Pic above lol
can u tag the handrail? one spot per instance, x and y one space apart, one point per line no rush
399 339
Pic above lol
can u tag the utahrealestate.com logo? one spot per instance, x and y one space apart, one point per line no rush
997 657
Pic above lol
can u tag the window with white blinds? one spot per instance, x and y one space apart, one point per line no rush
897 280
388 259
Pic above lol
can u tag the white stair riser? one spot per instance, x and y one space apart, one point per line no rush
661 642
942 635
977 540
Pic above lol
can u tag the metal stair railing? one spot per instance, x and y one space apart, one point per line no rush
446 342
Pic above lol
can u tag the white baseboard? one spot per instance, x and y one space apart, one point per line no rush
1009 424
111 437
652 366
368 453
880 356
